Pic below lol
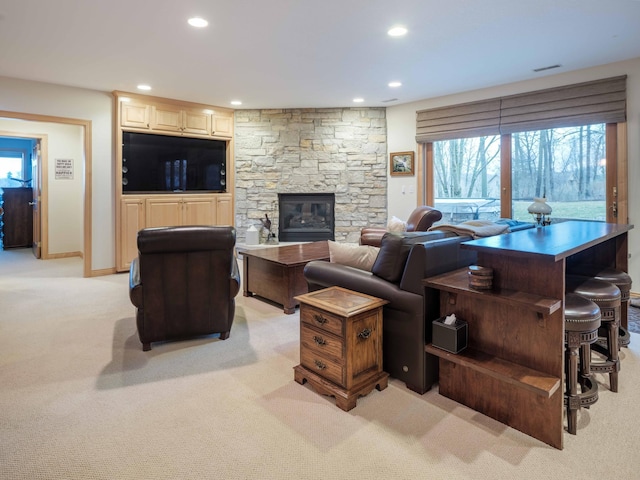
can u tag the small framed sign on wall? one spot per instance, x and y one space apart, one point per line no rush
64 168
401 163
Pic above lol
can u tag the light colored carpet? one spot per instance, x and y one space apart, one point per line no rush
80 400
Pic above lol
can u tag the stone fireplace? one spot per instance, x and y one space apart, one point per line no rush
306 217
337 151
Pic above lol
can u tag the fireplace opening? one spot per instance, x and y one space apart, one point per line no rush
306 217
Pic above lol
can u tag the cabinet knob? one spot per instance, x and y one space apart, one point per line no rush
319 340
320 319
320 365
364 334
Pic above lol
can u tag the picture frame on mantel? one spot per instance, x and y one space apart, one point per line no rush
401 163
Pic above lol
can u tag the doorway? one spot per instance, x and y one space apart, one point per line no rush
21 190
65 199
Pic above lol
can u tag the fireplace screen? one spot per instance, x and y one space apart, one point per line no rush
306 217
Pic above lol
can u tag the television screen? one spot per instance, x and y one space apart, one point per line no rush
162 163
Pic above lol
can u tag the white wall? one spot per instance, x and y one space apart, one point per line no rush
45 99
65 197
401 130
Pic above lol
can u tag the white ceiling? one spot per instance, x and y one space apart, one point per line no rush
309 53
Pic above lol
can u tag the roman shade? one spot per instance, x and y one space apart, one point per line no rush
599 101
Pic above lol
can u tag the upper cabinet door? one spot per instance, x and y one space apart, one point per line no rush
134 115
197 122
167 118
222 125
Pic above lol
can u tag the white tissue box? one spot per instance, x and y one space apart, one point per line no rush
452 338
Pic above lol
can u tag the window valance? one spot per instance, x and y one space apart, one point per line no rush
599 101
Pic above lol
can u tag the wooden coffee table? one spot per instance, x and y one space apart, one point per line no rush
275 273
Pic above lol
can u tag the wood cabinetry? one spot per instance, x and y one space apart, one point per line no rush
17 220
163 116
341 344
136 115
143 211
147 114
173 119
513 367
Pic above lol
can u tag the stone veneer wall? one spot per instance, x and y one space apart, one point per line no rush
325 150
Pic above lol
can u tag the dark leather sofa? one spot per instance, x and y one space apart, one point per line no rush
184 282
403 262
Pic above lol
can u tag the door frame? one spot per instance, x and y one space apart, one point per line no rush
87 192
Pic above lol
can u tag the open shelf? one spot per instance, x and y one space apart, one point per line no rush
457 281
527 378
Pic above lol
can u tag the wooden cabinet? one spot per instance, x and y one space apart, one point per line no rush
222 125
513 367
224 210
17 220
341 344
147 114
135 115
132 221
143 211
171 210
174 119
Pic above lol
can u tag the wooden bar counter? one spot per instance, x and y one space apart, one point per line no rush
513 367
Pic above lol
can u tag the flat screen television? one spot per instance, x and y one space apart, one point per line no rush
162 163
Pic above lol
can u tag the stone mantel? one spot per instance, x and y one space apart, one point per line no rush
337 150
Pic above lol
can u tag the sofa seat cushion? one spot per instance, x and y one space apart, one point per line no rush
353 255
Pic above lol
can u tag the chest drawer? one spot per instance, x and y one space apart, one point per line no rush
321 342
322 365
321 319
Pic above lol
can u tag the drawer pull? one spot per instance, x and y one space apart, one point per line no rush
320 319
364 334
319 340
319 365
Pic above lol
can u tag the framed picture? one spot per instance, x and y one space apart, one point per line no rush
401 163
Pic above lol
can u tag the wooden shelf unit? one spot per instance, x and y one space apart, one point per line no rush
513 366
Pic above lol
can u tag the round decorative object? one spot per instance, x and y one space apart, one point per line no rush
480 278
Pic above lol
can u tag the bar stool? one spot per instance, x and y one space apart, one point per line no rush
620 279
582 318
606 296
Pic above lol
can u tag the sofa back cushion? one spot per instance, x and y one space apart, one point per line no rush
394 250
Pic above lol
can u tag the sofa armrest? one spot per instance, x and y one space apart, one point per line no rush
372 236
321 274
135 284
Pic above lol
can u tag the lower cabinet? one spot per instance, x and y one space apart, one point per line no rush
138 212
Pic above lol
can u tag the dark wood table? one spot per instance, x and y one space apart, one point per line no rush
513 367
275 273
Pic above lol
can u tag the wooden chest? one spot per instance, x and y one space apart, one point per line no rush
341 344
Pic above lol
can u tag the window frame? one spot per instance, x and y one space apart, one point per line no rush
616 179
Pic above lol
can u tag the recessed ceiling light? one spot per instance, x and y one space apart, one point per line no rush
236 102
358 100
144 87
397 31
395 84
198 22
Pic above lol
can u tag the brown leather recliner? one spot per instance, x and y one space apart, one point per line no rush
184 282
419 221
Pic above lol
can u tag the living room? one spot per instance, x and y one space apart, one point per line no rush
94 234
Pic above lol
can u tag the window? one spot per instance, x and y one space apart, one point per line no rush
10 167
565 165
467 178
492 157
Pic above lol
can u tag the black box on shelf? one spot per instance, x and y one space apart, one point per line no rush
452 338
